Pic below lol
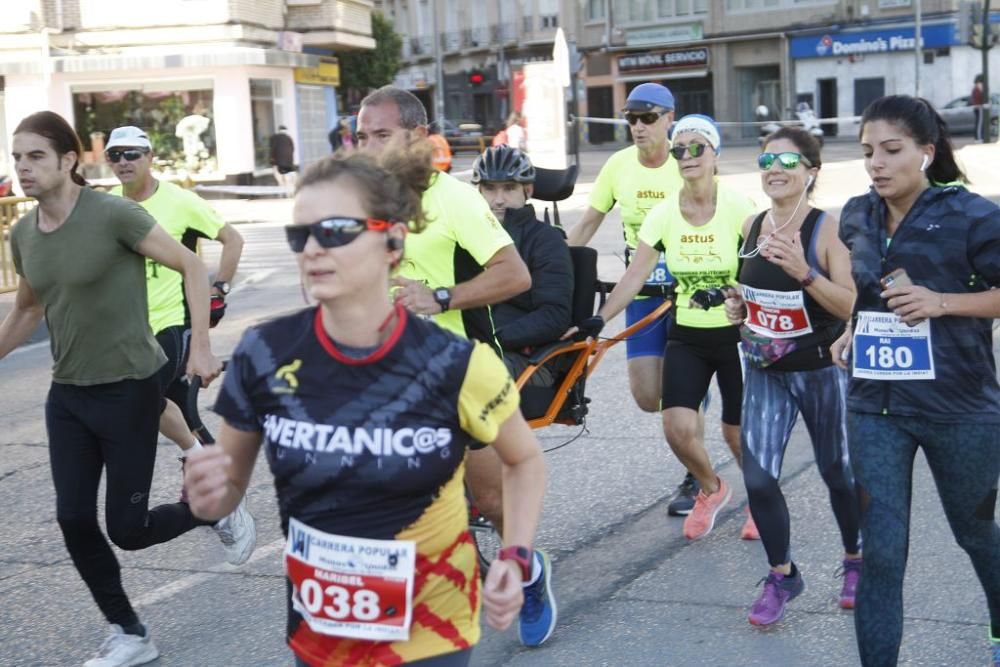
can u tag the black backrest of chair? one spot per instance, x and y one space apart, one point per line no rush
584 282
554 184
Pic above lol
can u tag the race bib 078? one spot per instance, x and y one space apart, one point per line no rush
776 314
887 349
351 587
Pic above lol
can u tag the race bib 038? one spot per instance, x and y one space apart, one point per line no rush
351 587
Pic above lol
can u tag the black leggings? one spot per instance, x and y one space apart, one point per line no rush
692 357
173 384
456 659
109 427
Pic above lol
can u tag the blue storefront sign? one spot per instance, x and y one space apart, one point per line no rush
842 44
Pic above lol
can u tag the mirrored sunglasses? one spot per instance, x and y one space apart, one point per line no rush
130 154
647 117
787 160
332 232
694 150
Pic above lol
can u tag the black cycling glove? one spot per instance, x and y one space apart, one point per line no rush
591 326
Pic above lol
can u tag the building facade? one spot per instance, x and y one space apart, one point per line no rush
479 45
726 57
210 80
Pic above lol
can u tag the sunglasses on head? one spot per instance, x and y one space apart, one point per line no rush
130 154
647 117
332 232
694 150
787 160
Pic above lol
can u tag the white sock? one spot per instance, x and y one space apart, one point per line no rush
193 447
536 569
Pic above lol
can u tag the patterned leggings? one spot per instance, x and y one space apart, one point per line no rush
964 459
772 401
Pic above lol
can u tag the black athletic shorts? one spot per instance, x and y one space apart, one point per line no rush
692 357
175 343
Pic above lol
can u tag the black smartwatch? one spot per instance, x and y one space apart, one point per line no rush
442 296
222 286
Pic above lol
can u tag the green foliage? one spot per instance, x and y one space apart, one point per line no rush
362 70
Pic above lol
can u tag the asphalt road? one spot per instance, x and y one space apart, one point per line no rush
631 589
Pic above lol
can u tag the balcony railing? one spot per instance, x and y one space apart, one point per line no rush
419 46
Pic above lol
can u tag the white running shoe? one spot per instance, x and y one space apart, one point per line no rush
122 650
238 534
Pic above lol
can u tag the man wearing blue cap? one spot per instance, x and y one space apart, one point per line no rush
638 178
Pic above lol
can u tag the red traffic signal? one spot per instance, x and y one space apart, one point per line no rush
476 78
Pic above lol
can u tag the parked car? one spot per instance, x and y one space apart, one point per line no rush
961 118
464 135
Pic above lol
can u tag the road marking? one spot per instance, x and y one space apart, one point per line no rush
179 586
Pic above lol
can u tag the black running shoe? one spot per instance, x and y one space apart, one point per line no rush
683 502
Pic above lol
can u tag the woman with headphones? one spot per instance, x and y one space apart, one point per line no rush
795 294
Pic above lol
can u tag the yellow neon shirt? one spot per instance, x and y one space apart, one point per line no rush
636 188
180 212
700 257
458 219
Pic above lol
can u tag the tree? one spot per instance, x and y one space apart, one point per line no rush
364 70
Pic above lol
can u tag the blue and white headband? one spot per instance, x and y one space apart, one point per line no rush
700 124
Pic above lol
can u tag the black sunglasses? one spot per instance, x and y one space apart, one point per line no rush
694 150
647 118
130 154
331 232
787 160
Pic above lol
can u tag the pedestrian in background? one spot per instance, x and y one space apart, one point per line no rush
283 158
978 99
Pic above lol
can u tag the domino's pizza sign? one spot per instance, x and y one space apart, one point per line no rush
862 42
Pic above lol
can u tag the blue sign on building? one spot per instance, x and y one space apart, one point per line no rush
842 44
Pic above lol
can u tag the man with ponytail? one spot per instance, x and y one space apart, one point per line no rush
80 257
925 256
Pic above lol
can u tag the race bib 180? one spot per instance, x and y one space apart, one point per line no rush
887 349
351 587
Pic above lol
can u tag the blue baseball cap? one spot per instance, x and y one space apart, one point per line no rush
646 96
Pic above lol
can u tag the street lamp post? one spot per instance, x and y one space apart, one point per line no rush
438 67
918 50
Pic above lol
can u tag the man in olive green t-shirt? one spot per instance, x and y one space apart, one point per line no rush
79 256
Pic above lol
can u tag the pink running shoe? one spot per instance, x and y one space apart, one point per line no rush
749 531
700 521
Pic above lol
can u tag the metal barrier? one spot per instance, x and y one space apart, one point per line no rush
11 208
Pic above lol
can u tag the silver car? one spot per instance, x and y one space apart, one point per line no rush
961 118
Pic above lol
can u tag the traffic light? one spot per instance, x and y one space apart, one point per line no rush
476 77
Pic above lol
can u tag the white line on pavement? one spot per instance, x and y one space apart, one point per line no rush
173 588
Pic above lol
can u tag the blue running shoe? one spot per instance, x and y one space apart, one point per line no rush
538 615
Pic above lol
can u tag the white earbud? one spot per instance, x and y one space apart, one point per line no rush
923 165
809 181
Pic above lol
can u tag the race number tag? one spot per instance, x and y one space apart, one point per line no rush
776 314
887 349
660 275
351 587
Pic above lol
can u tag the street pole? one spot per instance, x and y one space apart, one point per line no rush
918 50
985 116
438 67
501 64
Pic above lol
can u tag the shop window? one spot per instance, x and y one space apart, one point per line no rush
596 10
267 112
177 116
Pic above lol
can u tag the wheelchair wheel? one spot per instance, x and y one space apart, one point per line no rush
486 539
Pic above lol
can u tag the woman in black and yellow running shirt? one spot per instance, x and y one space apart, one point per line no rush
699 230
365 413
